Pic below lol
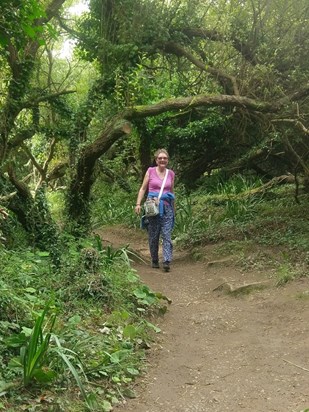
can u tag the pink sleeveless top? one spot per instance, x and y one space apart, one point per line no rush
155 182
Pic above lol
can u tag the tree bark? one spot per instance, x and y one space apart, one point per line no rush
185 103
80 187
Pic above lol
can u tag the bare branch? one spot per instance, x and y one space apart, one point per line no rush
7 197
33 160
41 99
50 155
296 123
52 9
303 92
296 155
177 50
22 189
21 137
213 35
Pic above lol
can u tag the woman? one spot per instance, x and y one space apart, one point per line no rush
163 223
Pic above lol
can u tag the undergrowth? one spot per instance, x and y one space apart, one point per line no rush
234 218
72 338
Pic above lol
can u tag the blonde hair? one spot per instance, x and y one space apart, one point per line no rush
157 152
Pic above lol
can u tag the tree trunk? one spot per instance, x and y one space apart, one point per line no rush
35 217
144 146
80 187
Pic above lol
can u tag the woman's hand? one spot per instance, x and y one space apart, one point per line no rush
137 209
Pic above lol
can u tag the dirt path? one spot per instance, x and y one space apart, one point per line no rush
219 352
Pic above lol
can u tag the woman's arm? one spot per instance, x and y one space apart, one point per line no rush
172 191
141 193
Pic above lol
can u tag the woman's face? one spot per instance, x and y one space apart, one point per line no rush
162 159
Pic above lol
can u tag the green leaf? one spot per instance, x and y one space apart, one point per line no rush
41 42
74 320
129 393
3 40
154 327
91 401
16 341
43 254
26 331
15 363
124 315
140 294
133 371
106 406
73 371
118 356
44 376
30 290
163 297
29 31
129 332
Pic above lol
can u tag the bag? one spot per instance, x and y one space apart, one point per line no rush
151 208
144 222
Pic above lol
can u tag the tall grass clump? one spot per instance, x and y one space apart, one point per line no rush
216 204
237 197
113 206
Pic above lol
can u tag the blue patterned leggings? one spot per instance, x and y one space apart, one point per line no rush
161 225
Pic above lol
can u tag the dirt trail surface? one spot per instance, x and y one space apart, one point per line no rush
219 352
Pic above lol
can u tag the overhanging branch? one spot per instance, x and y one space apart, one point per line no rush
185 103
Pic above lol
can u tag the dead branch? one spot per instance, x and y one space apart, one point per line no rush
261 189
21 188
245 288
177 50
33 159
35 102
7 197
296 155
297 366
296 122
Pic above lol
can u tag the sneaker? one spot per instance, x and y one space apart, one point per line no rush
166 266
155 265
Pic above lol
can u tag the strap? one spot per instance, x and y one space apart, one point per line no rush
163 184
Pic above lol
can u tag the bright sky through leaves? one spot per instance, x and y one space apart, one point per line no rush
68 44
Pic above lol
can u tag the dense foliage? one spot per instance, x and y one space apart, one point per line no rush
81 325
220 85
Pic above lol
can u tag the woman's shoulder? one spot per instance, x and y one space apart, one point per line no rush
171 171
151 170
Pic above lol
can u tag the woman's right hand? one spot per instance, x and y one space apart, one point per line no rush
137 209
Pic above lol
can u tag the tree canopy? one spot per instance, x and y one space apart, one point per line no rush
222 85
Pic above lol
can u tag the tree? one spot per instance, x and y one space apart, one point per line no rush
23 29
230 76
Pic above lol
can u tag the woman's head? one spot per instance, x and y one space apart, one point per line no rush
161 154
